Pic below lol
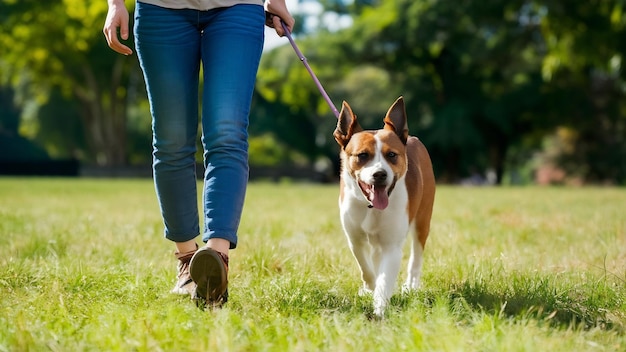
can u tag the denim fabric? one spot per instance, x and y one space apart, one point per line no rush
172 46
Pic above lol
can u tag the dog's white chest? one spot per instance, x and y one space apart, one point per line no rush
390 224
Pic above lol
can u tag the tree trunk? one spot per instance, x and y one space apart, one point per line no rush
498 158
104 117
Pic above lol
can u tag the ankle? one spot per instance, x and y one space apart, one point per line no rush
219 244
186 247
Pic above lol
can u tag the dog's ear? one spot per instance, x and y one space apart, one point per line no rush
347 125
395 120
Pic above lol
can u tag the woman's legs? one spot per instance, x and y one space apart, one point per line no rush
232 41
231 46
168 47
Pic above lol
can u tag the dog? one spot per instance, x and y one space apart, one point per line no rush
387 189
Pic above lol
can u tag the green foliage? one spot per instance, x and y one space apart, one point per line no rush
58 45
484 82
282 108
61 128
265 150
522 269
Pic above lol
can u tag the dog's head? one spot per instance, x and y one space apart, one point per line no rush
374 159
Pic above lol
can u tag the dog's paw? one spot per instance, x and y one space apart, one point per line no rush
411 285
379 308
364 291
379 314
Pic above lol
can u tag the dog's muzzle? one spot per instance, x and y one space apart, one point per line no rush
376 192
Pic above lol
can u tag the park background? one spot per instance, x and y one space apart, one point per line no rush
513 92
510 93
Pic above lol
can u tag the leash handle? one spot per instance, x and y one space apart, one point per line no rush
308 68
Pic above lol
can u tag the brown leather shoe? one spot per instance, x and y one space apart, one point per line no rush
209 270
184 283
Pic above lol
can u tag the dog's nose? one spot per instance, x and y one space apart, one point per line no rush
379 176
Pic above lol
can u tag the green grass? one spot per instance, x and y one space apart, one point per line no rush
84 267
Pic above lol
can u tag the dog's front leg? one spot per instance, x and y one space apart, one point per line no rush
414 268
390 259
361 250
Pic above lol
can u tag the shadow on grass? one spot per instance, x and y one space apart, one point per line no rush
317 299
548 299
592 305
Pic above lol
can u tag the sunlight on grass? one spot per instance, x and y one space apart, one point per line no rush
85 267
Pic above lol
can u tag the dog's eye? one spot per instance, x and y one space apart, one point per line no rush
363 156
392 156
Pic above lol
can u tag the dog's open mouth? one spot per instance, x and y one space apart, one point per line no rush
376 194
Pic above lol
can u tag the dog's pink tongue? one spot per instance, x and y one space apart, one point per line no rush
378 197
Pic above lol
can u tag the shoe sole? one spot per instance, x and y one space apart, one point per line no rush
208 271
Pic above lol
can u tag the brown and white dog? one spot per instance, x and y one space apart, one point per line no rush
387 189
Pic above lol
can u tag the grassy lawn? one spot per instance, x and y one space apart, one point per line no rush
84 267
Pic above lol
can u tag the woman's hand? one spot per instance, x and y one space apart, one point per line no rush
276 11
117 18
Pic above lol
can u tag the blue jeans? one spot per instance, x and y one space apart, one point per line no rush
171 46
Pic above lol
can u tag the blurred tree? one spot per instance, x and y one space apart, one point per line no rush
586 82
9 114
468 72
468 69
13 146
288 104
58 44
60 127
483 81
